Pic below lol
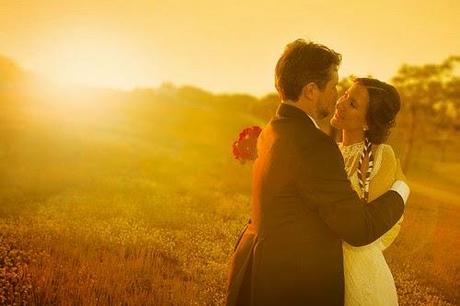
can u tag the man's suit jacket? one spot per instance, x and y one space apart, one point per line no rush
303 206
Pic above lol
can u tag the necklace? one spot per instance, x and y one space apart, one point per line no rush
365 178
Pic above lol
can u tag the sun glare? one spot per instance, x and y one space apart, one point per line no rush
101 61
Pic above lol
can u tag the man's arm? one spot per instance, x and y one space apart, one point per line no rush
322 181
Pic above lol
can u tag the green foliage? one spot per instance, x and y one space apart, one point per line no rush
423 86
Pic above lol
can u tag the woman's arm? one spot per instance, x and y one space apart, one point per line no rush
323 183
389 158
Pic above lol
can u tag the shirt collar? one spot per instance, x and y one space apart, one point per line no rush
290 105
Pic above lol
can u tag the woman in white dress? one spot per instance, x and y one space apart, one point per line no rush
365 114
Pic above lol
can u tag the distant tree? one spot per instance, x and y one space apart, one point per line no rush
265 107
431 98
236 102
192 94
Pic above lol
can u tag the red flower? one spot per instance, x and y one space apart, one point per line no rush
245 148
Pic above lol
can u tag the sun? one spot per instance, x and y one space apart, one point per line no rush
96 60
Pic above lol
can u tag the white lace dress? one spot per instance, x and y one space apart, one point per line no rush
368 279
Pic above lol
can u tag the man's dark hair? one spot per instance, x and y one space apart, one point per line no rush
384 104
303 62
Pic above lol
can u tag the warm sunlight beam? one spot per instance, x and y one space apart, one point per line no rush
96 60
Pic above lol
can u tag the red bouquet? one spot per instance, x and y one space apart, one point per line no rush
245 148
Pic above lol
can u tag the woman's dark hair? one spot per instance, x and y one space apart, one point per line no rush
301 63
384 104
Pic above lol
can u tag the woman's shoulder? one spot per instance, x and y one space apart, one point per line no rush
386 151
384 159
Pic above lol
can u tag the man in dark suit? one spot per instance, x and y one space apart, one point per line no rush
303 205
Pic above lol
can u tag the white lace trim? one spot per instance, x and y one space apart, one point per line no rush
353 151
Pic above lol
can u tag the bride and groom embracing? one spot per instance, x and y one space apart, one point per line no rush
321 213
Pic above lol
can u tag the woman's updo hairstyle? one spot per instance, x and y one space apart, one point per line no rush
384 104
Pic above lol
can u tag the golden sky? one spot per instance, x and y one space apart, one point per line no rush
222 46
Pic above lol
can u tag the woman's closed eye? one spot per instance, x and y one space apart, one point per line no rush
353 103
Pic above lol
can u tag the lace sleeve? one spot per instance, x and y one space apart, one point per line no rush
388 159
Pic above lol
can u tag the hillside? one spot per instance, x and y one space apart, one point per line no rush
134 197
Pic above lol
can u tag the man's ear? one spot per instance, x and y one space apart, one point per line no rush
310 91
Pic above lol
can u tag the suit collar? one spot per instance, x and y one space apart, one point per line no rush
289 111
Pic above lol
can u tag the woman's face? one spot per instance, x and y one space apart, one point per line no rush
351 109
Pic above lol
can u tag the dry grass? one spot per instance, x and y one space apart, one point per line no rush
425 257
170 250
72 252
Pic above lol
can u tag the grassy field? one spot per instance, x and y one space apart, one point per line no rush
424 258
141 203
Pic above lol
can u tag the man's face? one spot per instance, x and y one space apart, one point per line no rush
328 95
